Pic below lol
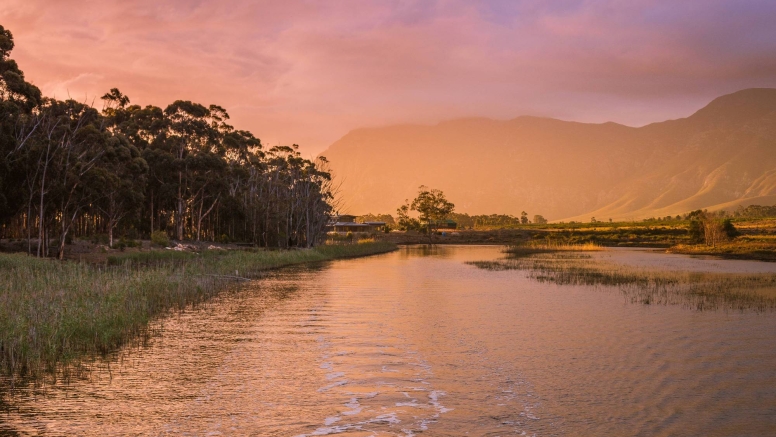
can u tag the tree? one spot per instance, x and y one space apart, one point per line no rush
18 123
432 207
404 221
713 231
729 229
695 230
538 219
68 170
119 181
523 218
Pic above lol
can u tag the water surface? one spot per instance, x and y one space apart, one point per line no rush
417 342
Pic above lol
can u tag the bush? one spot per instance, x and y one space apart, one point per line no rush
160 238
696 231
100 239
729 229
124 243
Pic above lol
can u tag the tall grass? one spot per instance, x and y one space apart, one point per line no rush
759 247
550 247
701 291
52 313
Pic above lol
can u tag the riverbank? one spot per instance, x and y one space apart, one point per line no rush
751 250
757 239
53 313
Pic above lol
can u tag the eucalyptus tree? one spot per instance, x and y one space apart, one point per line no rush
67 169
432 207
118 182
18 122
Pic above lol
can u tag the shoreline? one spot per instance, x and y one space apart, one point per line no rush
754 244
55 313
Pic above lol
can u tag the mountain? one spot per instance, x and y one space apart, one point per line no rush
722 156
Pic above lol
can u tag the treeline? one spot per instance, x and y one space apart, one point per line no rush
466 221
68 170
755 211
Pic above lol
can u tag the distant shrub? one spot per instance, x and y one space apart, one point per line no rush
696 231
127 242
729 229
100 239
160 238
224 239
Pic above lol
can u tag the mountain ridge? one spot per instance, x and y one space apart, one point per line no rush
719 155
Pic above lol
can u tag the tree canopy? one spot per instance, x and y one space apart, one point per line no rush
70 170
432 207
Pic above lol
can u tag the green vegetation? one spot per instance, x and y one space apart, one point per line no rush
160 239
760 248
52 313
69 170
432 207
736 235
699 291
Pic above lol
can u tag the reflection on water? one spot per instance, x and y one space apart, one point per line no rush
419 342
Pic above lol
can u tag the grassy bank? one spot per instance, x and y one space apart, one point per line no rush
52 313
740 248
757 239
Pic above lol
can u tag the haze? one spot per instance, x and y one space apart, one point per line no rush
309 72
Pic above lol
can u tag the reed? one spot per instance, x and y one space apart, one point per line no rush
761 248
551 247
53 313
700 291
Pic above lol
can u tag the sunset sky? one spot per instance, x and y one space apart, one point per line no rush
307 72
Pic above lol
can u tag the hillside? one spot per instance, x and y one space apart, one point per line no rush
721 156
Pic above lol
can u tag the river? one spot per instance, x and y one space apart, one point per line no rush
418 342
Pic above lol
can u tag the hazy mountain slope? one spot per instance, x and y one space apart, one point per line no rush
724 153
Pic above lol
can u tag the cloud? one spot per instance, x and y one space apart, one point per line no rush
309 71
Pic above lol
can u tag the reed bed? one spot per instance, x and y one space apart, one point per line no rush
761 248
52 313
700 291
551 247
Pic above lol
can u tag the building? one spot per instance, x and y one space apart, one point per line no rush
347 223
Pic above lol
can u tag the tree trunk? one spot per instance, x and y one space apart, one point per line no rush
152 211
179 225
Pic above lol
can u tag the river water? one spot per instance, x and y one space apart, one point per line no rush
416 342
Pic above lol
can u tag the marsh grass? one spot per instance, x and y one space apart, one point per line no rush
760 248
701 291
53 313
551 247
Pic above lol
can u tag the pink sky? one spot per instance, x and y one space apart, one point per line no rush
308 72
